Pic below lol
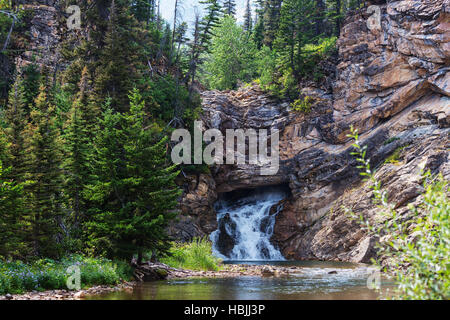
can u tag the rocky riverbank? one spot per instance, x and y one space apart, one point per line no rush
237 270
69 295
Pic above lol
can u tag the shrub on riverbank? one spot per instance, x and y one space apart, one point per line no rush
196 255
46 274
416 243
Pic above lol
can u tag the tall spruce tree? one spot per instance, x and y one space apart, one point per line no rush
116 72
16 119
334 14
79 132
320 16
258 30
134 186
229 7
209 21
203 33
272 12
13 227
248 20
144 10
43 166
295 31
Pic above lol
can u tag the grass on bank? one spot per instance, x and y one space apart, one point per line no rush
196 255
46 274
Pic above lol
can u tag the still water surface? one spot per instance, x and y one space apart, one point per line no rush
314 282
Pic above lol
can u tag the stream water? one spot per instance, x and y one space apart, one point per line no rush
346 281
246 225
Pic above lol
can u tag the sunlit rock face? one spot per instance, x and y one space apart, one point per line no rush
392 84
384 70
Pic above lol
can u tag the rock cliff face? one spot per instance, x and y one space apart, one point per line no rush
47 28
392 84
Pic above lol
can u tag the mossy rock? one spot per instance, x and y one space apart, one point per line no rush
162 273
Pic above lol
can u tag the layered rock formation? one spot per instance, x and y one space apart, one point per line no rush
42 41
392 84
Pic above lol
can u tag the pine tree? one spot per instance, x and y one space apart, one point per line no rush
134 186
271 18
90 110
80 131
16 120
12 225
203 33
229 7
334 14
295 31
258 31
176 18
116 72
43 165
144 10
320 16
209 21
248 21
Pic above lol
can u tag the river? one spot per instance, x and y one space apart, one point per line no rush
317 280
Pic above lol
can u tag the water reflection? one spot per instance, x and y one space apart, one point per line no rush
317 280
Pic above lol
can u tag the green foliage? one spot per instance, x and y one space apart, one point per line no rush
31 81
209 21
12 244
78 133
294 32
232 57
266 66
286 46
229 7
415 243
15 120
43 170
133 192
5 24
314 54
47 274
116 72
276 74
303 105
395 156
5 4
390 140
270 20
162 96
196 255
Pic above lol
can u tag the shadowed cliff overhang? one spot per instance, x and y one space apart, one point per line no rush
235 195
231 177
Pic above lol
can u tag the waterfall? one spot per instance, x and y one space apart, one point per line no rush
245 225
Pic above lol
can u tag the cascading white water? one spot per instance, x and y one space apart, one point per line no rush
246 226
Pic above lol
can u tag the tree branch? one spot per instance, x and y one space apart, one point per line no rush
8 37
